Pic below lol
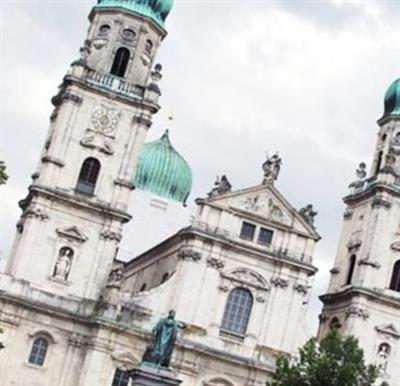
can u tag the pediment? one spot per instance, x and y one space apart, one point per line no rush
246 277
388 329
72 233
396 246
265 203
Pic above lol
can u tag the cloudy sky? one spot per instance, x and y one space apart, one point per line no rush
242 77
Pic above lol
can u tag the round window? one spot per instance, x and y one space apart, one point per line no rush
104 29
128 34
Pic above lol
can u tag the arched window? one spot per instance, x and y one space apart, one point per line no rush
120 63
121 378
237 312
38 351
104 29
88 176
395 282
350 273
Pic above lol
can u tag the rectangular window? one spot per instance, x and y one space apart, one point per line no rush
265 236
247 231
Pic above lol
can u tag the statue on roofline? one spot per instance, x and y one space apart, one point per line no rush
272 167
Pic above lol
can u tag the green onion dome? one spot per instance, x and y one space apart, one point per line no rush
163 171
392 99
156 10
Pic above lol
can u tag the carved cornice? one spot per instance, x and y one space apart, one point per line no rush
53 160
216 263
357 312
189 254
124 183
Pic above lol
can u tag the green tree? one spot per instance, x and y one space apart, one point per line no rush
335 361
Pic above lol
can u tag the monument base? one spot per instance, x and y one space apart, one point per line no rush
146 375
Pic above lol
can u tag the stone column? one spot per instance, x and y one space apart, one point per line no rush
146 375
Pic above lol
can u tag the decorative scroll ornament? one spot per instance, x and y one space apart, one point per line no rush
189 254
105 120
245 278
279 282
103 146
216 263
357 312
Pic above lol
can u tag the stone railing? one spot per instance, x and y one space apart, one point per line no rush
113 83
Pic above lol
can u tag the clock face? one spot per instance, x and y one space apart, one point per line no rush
105 120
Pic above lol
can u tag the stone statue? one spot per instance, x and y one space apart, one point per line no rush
361 173
383 357
271 168
308 213
63 264
159 352
221 186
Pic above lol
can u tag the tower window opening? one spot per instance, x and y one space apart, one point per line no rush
149 46
378 163
120 64
121 378
395 282
104 29
88 176
247 231
237 312
352 266
128 34
38 351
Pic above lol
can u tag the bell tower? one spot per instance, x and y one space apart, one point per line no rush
364 293
70 228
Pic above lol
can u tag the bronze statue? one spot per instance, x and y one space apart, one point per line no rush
159 352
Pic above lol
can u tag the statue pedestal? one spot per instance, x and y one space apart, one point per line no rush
146 375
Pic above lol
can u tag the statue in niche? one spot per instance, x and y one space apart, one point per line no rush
383 357
308 213
271 168
221 186
164 335
63 263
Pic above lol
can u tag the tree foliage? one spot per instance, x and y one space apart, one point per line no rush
335 361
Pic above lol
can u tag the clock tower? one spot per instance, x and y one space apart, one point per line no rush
363 298
71 222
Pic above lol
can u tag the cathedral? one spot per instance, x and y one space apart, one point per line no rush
107 242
